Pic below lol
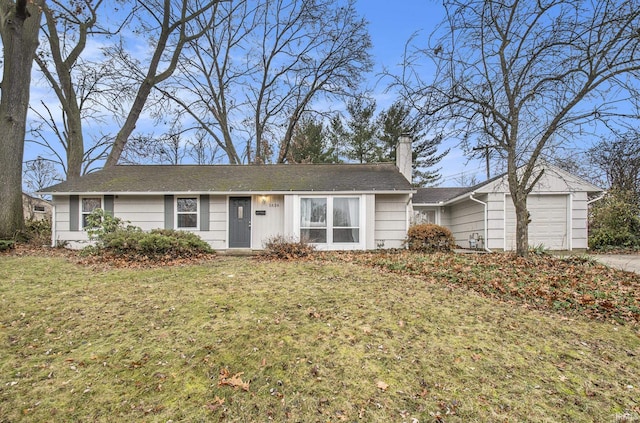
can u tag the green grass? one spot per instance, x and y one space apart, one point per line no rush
316 341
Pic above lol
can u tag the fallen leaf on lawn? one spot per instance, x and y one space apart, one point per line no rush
382 386
215 404
235 381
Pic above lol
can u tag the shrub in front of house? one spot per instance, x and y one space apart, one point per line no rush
113 236
430 238
36 233
284 248
6 244
158 243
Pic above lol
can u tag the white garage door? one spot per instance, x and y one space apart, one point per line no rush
549 222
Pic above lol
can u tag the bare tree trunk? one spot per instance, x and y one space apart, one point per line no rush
75 147
169 27
129 125
522 224
64 86
19 27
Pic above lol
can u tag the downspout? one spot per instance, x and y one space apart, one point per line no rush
53 225
409 213
486 221
604 194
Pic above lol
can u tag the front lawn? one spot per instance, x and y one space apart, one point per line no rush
239 339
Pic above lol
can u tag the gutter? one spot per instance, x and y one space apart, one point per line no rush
486 221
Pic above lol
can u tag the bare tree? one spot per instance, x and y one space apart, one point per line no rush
81 87
252 77
619 162
202 149
39 173
49 133
177 145
169 26
526 75
19 28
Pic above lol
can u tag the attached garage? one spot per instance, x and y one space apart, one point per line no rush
550 221
558 206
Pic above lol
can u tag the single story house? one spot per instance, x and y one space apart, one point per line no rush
483 216
334 206
35 208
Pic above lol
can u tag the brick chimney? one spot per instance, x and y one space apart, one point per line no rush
404 159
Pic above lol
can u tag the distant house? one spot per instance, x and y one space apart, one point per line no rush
35 208
483 216
333 206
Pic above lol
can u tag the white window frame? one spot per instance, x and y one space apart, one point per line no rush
420 211
330 244
82 213
177 213
324 227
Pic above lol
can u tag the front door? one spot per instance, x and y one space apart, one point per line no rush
239 222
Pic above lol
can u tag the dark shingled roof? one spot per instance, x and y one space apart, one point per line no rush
436 195
237 178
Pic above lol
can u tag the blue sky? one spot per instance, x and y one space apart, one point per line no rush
391 24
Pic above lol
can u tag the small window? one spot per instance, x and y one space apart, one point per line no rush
89 204
187 212
425 216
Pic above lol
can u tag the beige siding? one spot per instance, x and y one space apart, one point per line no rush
290 223
391 220
271 223
467 218
579 221
217 234
61 204
61 235
495 224
369 222
145 212
445 216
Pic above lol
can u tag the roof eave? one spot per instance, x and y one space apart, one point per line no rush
232 192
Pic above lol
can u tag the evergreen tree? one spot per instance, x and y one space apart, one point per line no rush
358 136
397 120
310 144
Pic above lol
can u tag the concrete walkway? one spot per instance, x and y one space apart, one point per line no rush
628 262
